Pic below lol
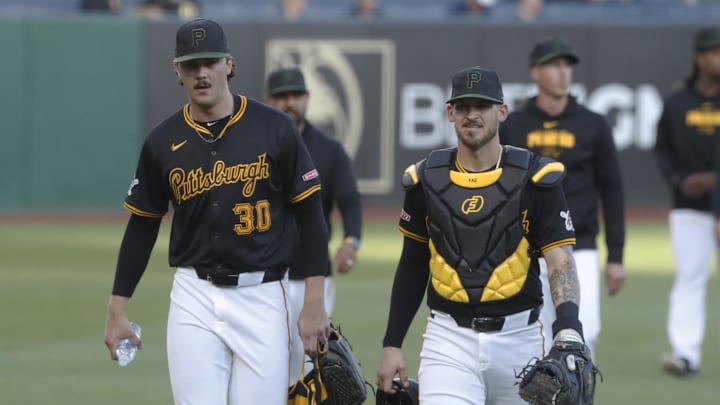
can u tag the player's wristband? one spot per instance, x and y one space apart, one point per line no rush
567 318
352 241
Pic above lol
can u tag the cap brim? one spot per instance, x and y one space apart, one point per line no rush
201 55
285 89
476 96
554 55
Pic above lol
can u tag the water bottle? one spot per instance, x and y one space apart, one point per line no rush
126 350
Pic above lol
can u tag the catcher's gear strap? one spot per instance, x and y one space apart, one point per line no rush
308 390
410 177
547 172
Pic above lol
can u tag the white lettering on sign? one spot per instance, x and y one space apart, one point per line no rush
632 113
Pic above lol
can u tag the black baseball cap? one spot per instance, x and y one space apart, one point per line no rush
200 39
476 82
284 80
706 39
549 49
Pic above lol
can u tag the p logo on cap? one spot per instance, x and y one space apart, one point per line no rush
198 34
473 78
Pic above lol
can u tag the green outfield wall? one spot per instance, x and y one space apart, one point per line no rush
72 112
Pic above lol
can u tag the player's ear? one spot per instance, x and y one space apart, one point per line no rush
450 112
502 112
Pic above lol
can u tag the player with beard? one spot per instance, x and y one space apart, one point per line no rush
286 91
475 220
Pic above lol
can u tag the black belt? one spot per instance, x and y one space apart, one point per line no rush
490 324
232 279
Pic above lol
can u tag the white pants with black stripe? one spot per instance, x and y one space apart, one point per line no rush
459 366
227 345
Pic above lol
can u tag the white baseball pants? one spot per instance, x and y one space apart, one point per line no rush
693 241
459 366
227 345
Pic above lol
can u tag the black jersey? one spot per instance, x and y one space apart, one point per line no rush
338 186
582 140
542 214
686 136
231 193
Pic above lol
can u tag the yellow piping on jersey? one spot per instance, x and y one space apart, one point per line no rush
548 168
506 280
562 242
199 128
413 235
142 213
305 194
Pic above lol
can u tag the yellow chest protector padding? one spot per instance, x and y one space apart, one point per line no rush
478 249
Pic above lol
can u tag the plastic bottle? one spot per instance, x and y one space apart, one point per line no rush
126 350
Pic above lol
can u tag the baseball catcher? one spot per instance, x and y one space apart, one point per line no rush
566 376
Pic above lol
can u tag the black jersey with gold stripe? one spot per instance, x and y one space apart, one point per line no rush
687 133
485 230
581 140
230 188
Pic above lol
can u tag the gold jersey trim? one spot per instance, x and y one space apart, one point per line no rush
561 242
142 213
413 235
305 194
199 128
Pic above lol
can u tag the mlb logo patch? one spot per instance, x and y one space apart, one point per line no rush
310 175
405 216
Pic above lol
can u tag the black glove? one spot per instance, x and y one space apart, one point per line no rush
340 372
566 376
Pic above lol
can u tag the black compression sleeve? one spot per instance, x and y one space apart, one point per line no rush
313 235
140 236
411 278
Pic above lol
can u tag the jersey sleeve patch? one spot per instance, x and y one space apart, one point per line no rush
310 175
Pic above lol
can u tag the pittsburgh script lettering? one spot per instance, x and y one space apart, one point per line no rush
186 185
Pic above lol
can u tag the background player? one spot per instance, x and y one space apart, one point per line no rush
553 124
685 148
287 92
477 233
239 177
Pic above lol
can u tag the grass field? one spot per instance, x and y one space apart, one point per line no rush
55 281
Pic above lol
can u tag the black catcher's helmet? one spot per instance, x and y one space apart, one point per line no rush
402 396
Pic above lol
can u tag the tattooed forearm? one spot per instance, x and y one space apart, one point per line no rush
564 284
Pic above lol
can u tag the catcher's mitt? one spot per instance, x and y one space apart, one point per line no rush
340 372
566 376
